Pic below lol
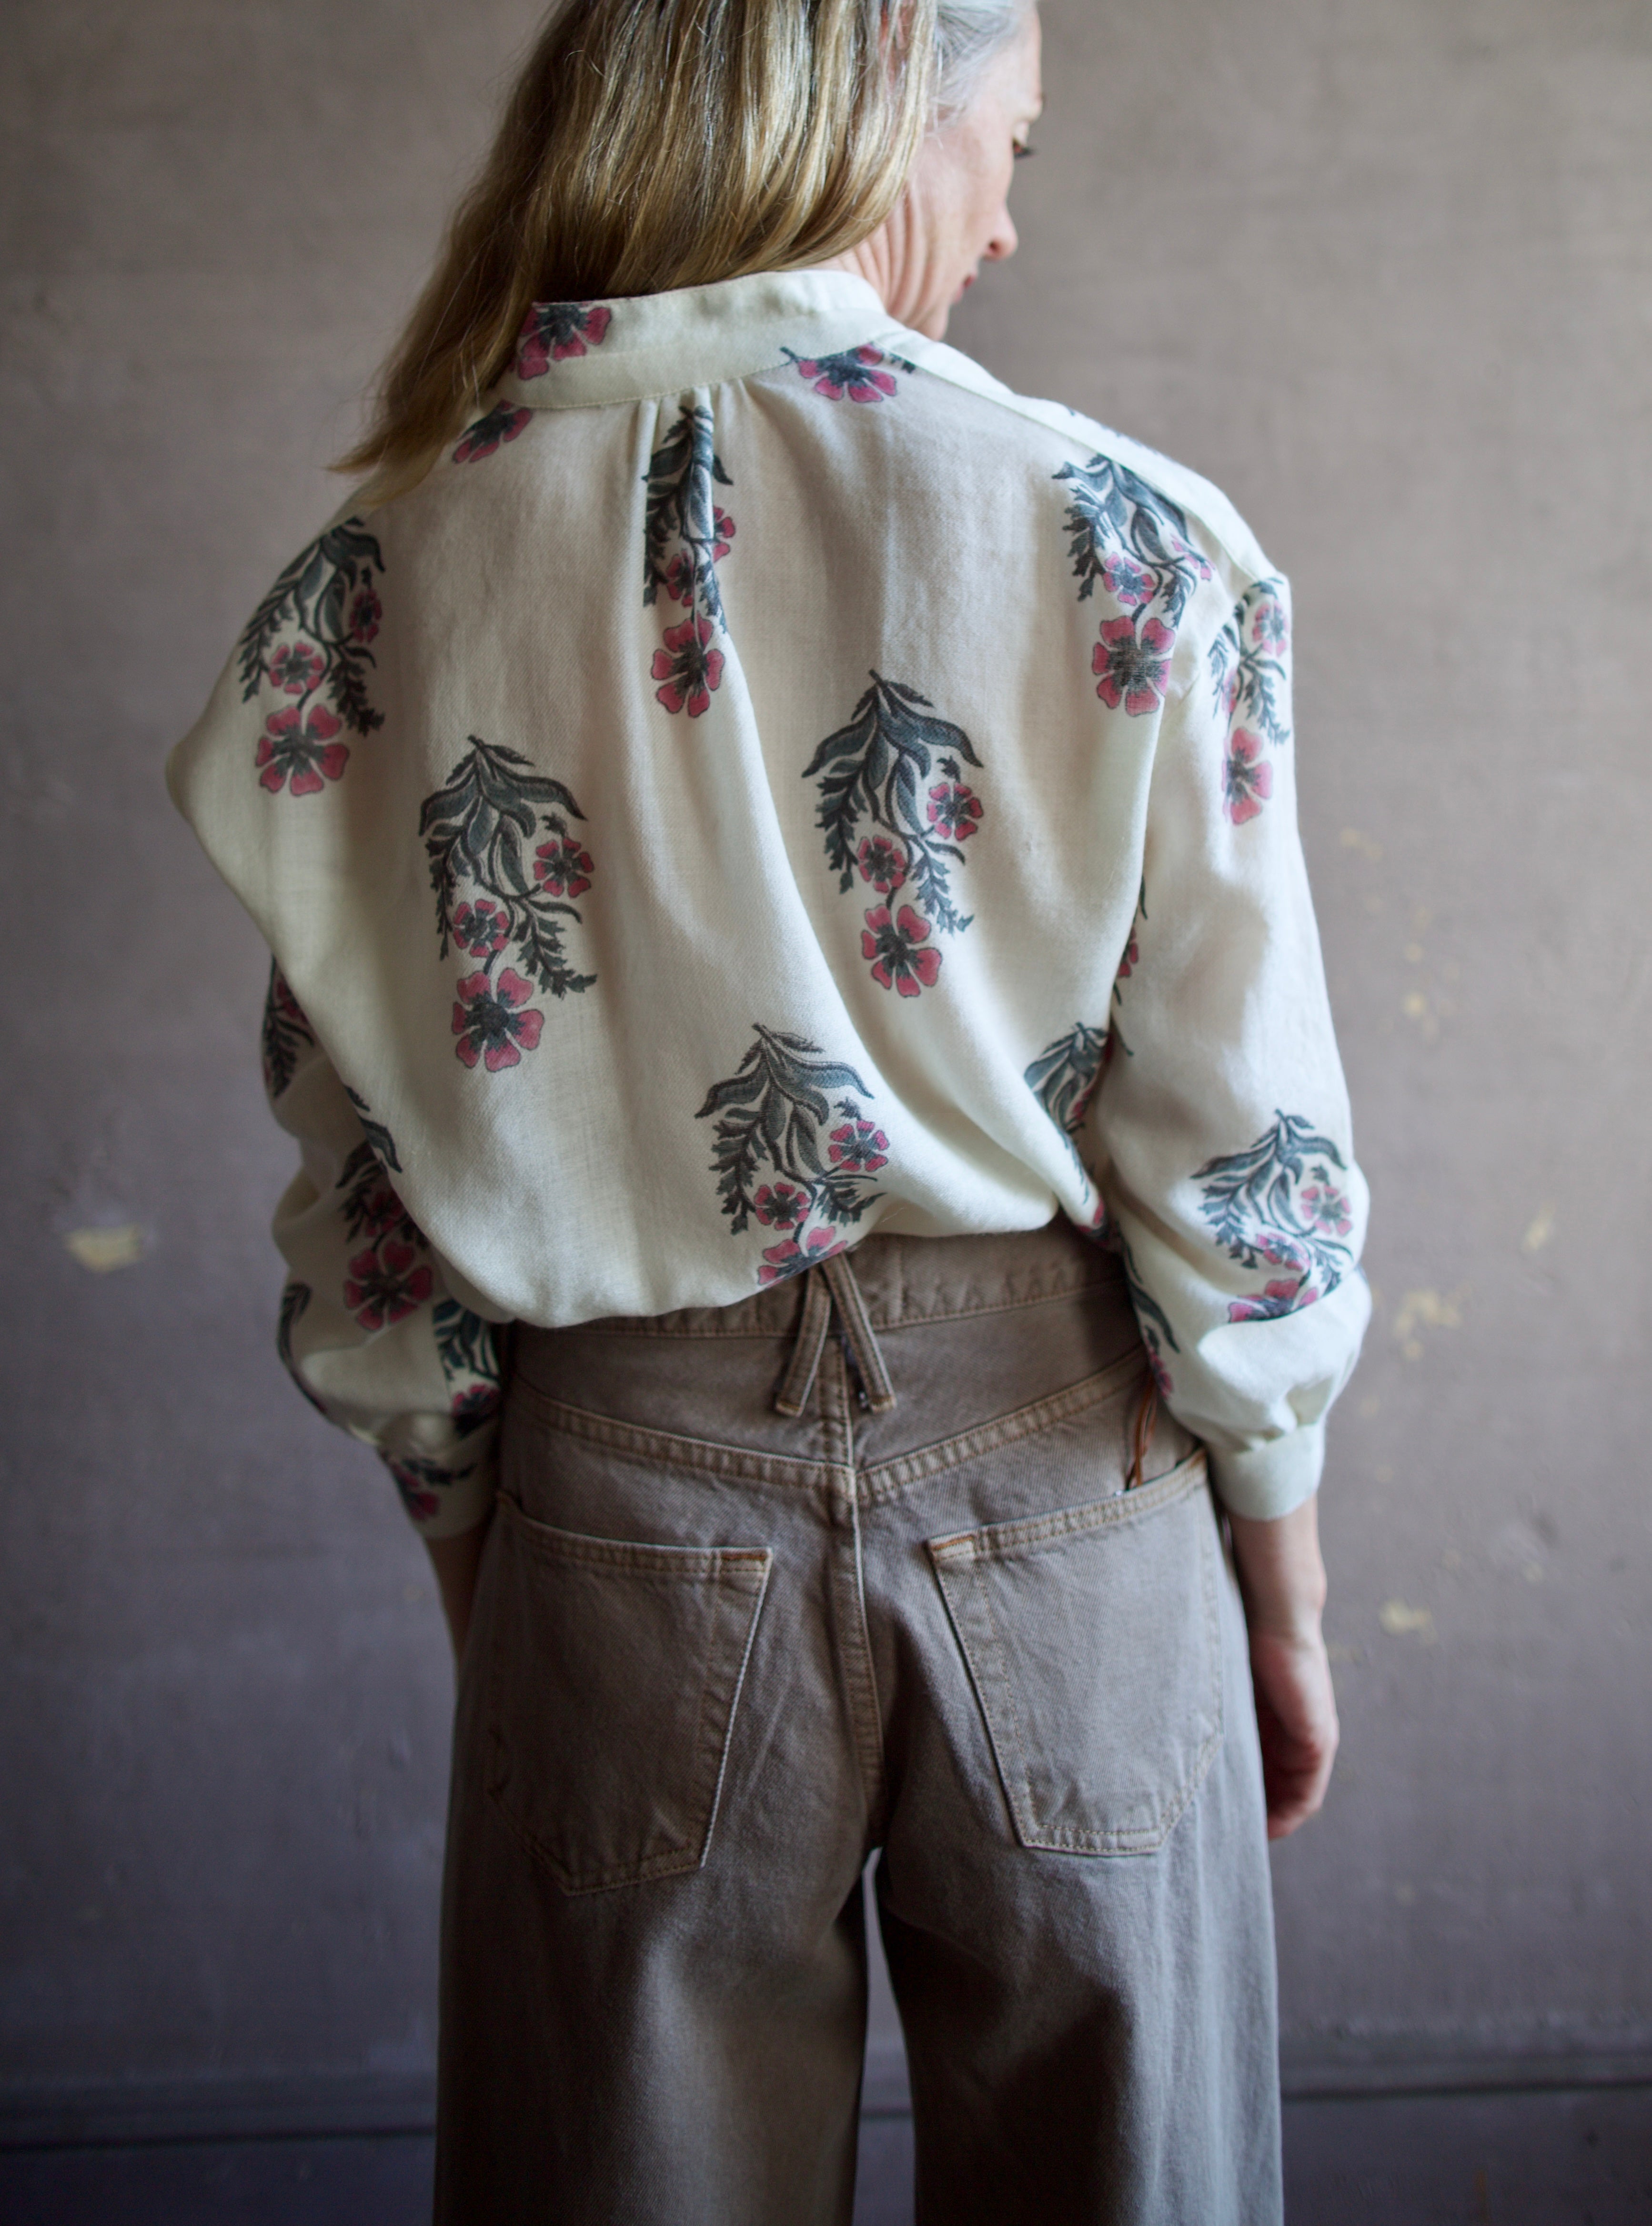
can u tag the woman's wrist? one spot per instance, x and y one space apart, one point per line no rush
1281 1573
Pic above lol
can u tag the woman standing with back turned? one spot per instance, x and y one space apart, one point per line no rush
825 1170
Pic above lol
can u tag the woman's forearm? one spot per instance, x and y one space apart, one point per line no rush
1280 1571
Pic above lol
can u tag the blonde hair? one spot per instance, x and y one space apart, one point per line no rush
648 145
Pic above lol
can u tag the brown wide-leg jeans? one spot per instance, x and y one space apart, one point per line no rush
873 1560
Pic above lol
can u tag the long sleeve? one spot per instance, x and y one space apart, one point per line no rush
369 1329
1221 1123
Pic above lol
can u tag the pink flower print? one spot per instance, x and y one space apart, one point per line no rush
554 331
1194 562
954 810
780 1261
295 668
1131 959
366 612
857 372
882 863
1247 780
686 570
307 754
858 1148
689 667
490 1023
502 423
1127 581
1133 667
781 1206
385 1284
562 868
1268 627
379 1211
791 1258
1327 1209
899 961
474 1408
1277 1298
481 928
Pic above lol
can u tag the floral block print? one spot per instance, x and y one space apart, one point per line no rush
553 331
285 1032
386 1282
502 424
1247 778
421 1483
1277 1205
371 1207
794 1144
896 950
1134 540
308 642
864 374
376 1134
689 667
298 745
899 772
493 1020
478 832
1247 668
686 534
468 1349
1063 1077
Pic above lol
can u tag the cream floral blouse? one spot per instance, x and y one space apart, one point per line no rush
771 783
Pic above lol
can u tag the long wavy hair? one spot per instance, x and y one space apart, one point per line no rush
648 144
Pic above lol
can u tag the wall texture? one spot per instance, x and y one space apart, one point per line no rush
1385 274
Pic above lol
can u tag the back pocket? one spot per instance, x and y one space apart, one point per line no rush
1092 1638
615 1673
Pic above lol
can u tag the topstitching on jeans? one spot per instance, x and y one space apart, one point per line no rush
880 1480
886 1479
668 1449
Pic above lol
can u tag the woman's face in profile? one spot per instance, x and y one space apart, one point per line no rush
955 213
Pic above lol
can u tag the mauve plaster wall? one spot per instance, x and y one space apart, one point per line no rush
1383 272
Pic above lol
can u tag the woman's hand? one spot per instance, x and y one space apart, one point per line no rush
456 1561
1283 1581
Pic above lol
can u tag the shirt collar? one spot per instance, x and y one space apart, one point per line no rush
573 354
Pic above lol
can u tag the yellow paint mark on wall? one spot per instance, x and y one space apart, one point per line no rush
1354 839
1538 1230
102 1250
1421 1310
1402 1622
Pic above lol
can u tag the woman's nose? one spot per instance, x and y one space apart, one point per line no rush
1004 239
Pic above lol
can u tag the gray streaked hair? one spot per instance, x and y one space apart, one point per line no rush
967 34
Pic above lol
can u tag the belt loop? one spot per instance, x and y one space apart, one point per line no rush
812 1323
863 1340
